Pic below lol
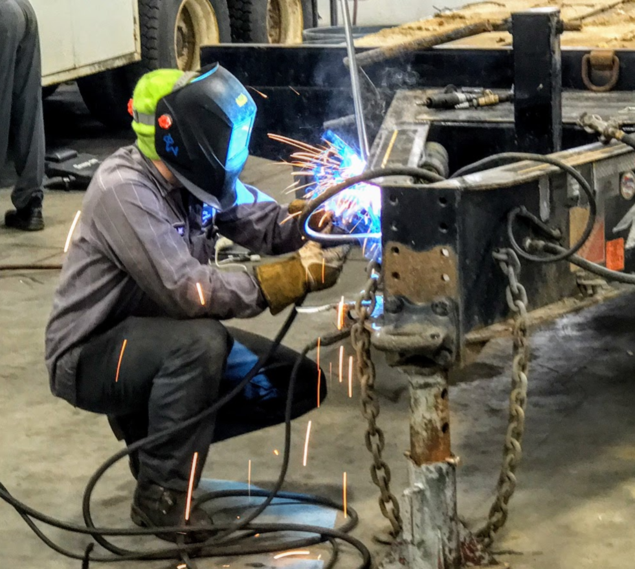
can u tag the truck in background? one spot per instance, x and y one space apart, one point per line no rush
106 45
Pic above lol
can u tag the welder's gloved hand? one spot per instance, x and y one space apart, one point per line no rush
311 269
320 221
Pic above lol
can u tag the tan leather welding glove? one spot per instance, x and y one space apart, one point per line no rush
311 269
320 221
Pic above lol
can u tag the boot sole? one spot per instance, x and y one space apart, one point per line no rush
25 228
140 519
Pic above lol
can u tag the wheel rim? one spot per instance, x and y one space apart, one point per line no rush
196 26
285 21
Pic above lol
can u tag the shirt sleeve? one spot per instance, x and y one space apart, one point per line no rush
137 235
258 223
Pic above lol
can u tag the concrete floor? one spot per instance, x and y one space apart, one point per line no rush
575 504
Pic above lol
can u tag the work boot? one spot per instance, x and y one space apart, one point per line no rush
26 219
156 507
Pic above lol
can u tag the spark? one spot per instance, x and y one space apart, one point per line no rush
289 553
181 566
344 484
356 210
306 444
71 231
123 349
340 314
259 92
350 376
276 452
319 557
319 385
341 362
323 270
190 487
298 94
290 216
201 296
319 341
249 480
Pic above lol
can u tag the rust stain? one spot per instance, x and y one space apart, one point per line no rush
430 436
421 276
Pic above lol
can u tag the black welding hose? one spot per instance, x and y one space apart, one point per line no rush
314 204
599 270
169 553
584 184
157 437
325 341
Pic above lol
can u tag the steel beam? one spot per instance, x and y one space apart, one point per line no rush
431 536
538 80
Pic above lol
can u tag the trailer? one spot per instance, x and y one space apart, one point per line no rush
489 245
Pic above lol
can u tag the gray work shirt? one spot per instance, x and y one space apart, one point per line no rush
139 249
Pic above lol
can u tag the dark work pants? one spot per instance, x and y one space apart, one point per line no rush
21 121
170 371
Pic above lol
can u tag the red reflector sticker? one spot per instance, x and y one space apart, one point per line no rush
615 254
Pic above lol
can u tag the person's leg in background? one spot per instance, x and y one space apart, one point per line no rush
169 372
21 102
263 403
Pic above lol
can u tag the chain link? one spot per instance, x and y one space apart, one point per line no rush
512 453
375 440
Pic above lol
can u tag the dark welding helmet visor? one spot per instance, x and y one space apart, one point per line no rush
203 129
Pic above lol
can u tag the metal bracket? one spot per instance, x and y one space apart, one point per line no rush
603 63
419 330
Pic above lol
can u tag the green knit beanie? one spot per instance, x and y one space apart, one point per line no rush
150 89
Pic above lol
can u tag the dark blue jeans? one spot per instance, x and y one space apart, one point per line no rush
170 371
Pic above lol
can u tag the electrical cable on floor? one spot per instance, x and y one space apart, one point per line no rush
214 547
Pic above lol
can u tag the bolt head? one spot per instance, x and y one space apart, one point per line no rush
441 308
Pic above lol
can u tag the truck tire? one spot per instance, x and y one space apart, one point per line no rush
106 95
271 21
191 24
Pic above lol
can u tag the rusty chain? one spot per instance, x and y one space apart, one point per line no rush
516 296
375 441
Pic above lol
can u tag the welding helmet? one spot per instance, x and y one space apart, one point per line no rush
202 129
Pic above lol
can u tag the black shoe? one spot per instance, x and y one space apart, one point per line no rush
157 507
27 219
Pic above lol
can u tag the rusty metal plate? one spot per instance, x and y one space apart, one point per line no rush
420 276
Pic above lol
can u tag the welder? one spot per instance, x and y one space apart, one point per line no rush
21 121
136 331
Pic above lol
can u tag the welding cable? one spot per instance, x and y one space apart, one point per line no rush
323 533
325 341
584 184
608 274
314 204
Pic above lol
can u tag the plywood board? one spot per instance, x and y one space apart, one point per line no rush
608 24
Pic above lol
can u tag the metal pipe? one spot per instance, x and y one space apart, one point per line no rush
355 85
333 7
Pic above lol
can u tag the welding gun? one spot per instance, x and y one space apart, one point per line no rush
608 130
